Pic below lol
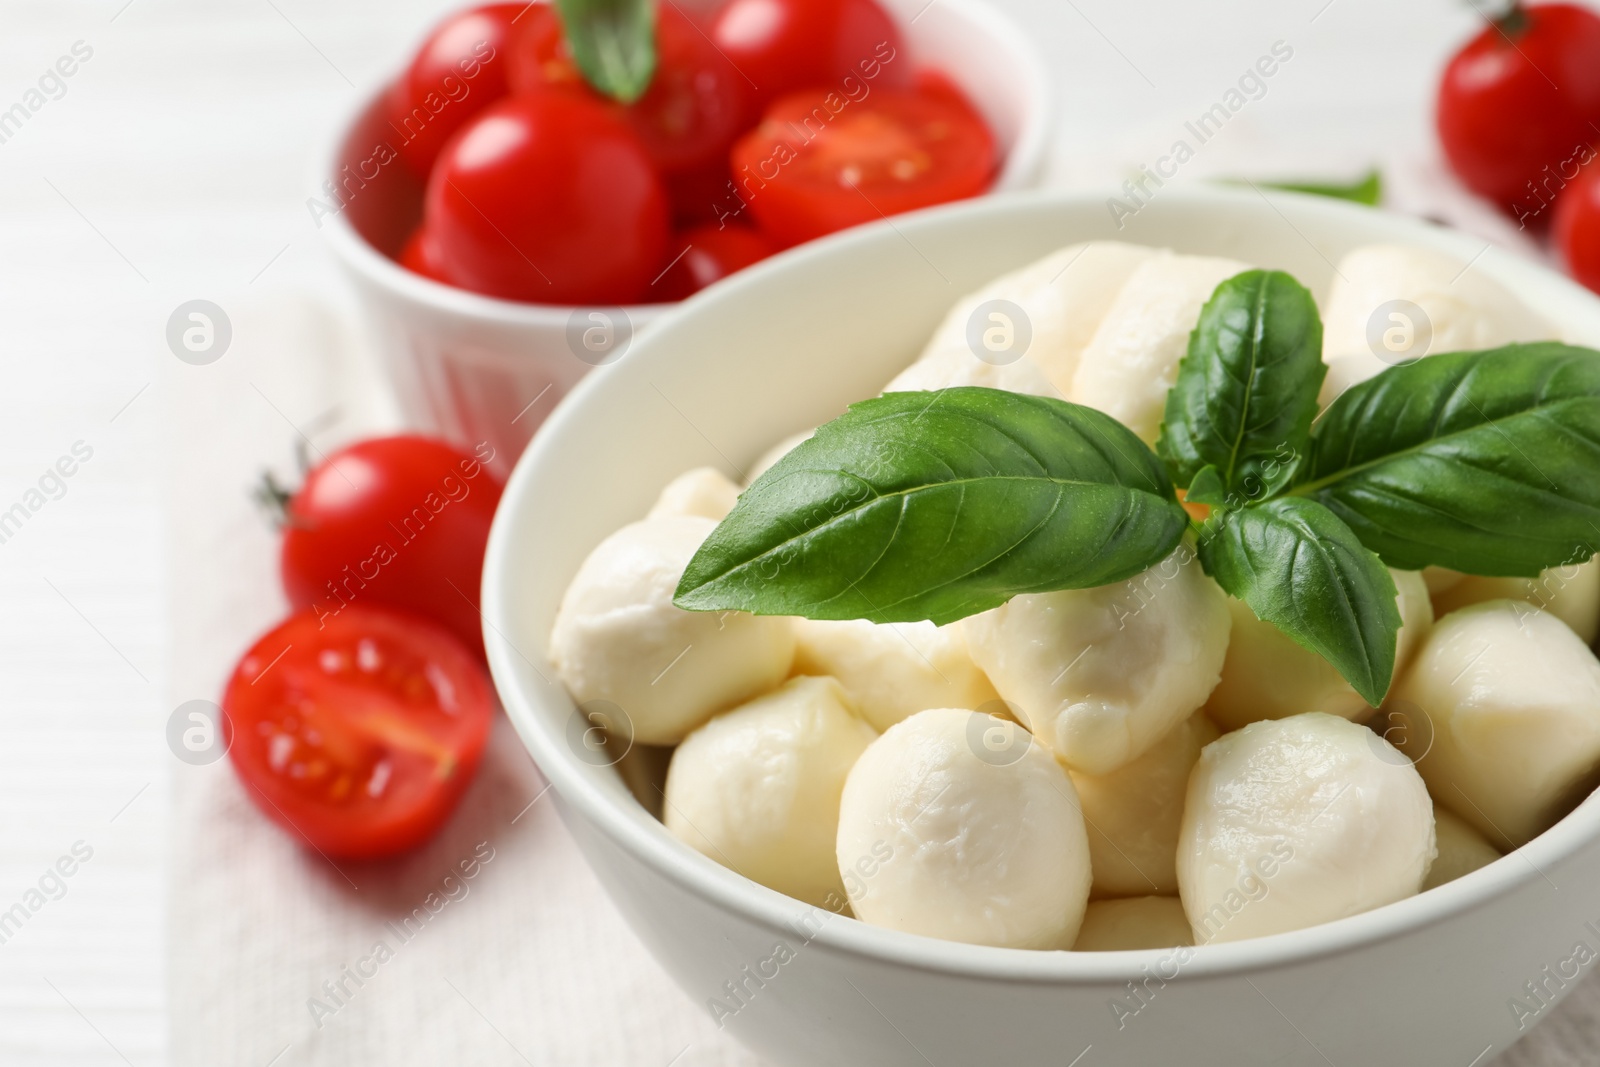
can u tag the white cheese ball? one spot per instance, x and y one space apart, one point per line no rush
704 491
954 825
893 670
618 638
1465 310
946 368
1132 361
1099 675
1462 849
757 788
775 453
1571 593
1133 813
1063 296
1268 676
1134 923
1501 710
1294 822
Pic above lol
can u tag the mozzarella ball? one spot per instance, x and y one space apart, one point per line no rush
893 670
1268 676
704 491
1570 592
1100 675
618 637
1133 813
1465 310
955 825
1299 821
1134 923
1132 360
1064 296
775 453
1501 710
946 368
1462 849
757 788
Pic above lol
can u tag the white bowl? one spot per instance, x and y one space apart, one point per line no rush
788 344
472 368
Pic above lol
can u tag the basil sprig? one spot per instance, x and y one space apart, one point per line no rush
938 505
613 43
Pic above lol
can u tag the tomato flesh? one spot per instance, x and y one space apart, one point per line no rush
458 71
819 163
1518 102
357 733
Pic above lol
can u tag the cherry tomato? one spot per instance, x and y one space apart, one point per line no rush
892 152
1576 224
458 71
395 521
550 198
784 45
357 733
1517 103
711 253
420 257
689 116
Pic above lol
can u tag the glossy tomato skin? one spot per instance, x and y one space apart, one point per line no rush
548 198
1519 98
689 116
709 254
420 257
459 70
1576 226
815 166
399 522
784 45
358 733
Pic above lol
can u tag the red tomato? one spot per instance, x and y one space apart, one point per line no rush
691 113
357 733
1576 225
420 257
784 45
892 152
395 521
1517 103
710 253
458 71
550 198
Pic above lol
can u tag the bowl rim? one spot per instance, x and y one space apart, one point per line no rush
648 841
1025 159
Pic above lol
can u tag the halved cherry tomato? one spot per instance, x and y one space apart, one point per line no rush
784 45
696 104
1576 226
458 71
1519 101
419 256
395 521
359 733
551 198
819 162
710 253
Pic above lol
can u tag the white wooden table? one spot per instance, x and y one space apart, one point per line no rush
174 164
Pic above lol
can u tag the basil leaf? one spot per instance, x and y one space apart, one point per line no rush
1246 391
938 506
1304 571
1368 189
1484 462
613 42
1206 488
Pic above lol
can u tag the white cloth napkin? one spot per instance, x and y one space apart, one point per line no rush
280 956
275 951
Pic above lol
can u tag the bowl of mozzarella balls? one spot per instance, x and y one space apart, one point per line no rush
1156 813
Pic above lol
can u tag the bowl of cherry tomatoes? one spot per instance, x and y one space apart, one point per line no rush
543 180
